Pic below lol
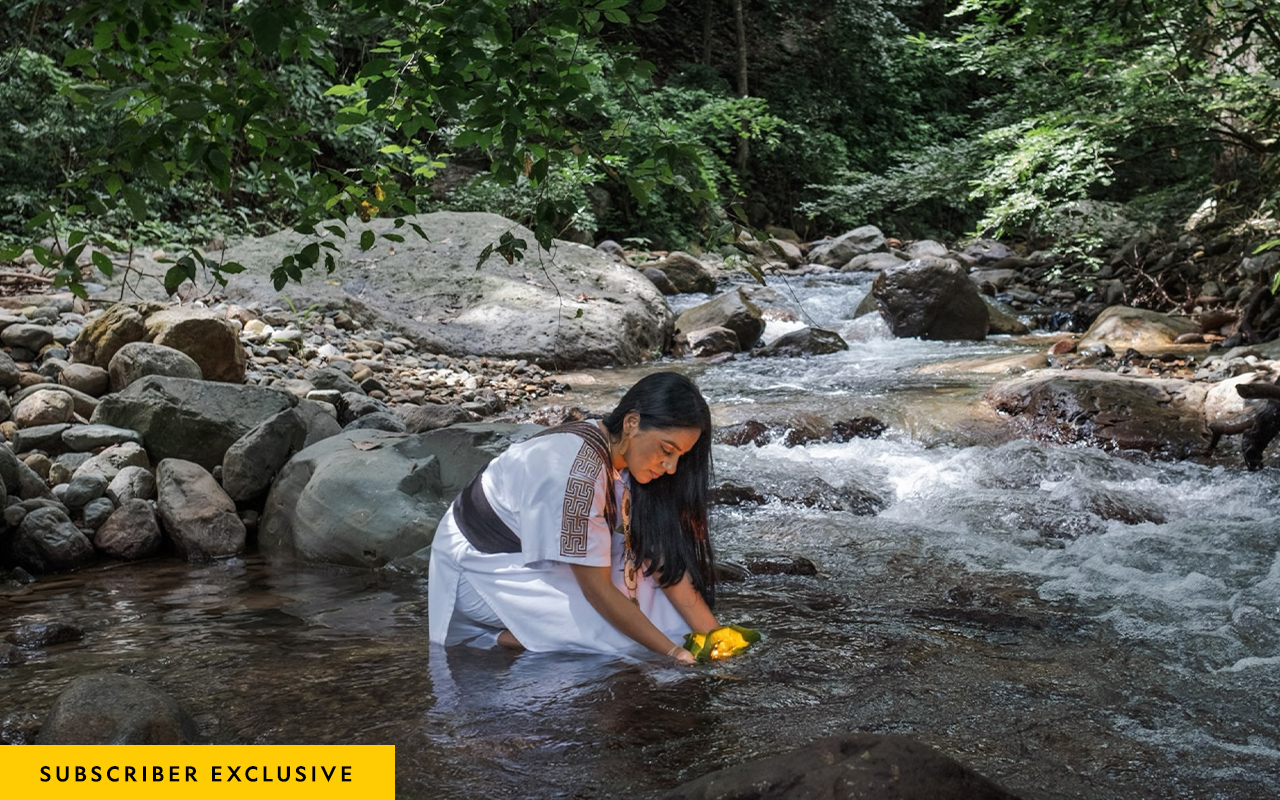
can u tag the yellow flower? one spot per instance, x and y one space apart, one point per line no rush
725 641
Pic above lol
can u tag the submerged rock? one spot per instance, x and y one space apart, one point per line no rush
116 709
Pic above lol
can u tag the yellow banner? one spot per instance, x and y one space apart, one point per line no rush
229 772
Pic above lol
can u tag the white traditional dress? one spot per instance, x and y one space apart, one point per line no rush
550 492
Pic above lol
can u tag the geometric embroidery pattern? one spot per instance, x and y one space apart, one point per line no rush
579 492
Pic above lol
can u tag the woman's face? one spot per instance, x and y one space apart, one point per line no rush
654 452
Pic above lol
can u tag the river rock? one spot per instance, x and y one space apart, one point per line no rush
732 310
96 512
254 459
1122 328
8 371
1159 416
873 262
319 419
111 461
365 498
131 532
931 298
47 541
93 381
139 359
924 248
10 656
45 634
28 337
206 336
432 292
686 273
82 404
660 281
84 487
804 342
30 486
132 483
855 765
44 408
103 337
115 709
187 419
1001 319
330 378
839 251
46 438
431 416
197 514
84 438
706 342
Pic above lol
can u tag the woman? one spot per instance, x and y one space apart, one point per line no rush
590 537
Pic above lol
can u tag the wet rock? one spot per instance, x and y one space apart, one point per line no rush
810 492
749 432
706 342
855 765
931 298
20 727
254 459
365 498
732 310
1122 328
11 656
47 541
1003 320
131 532
206 336
758 564
660 281
115 709
1158 416
45 634
190 420
197 514
137 360
804 342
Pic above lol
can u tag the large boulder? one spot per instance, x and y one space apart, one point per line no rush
841 250
116 709
732 310
189 419
103 337
198 516
140 359
1160 416
931 298
206 336
365 498
686 273
47 541
1122 328
854 765
572 305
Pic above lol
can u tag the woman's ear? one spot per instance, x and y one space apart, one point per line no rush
631 423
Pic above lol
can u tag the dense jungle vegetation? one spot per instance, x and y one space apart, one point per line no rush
182 122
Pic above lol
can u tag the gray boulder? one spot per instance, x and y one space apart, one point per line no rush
116 709
320 419
189 419
139 359
686 273
84 488
804 342
254 459
841 250
431 292
731 310
111 461
96 512
131 532
8 371
431 416
1001 319
198 516
931 298
47 541
365 498
1121 328
27 337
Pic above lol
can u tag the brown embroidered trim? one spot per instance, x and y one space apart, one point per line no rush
579 491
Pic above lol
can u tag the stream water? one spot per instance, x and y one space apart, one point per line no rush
1068 622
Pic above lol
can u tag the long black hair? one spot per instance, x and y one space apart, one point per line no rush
669 513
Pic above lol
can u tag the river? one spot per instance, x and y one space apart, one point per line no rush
1068 622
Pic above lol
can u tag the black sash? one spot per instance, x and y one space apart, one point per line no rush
482 526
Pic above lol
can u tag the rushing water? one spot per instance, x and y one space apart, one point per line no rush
1070 623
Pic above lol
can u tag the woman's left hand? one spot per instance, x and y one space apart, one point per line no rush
682 656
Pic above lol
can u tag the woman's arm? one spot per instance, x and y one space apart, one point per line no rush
688 601
622 614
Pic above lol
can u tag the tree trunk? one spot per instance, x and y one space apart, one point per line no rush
740 20
708 17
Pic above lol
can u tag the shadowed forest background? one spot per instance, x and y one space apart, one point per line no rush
180 124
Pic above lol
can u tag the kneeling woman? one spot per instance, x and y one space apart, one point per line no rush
590 537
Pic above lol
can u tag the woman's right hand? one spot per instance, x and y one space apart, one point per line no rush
683 657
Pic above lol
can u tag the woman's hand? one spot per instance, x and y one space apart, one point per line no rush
682 657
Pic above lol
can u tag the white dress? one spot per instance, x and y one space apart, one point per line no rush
549 490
